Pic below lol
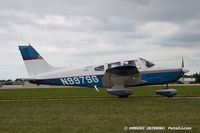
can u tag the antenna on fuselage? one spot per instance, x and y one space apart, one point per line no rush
69 62
182 65
90 60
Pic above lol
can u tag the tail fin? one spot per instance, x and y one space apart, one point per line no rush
34 63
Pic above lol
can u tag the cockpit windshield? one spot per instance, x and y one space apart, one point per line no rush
147 63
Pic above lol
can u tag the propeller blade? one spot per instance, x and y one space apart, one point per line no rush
183 65
183 70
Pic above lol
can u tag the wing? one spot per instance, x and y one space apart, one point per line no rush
122 75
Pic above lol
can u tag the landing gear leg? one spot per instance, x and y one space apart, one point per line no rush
167 86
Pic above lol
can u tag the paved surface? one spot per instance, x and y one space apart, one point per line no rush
85 98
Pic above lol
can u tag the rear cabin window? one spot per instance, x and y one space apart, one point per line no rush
138 65
99 68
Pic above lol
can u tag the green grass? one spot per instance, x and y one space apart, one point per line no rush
66 93
85 110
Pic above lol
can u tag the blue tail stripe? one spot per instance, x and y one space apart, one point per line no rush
28 52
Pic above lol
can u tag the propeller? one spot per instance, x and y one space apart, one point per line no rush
183 70
183 62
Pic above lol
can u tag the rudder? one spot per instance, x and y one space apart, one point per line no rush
34 63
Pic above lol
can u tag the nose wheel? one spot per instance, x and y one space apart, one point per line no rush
167 92
167 86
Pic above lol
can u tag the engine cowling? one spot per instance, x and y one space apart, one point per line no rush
167 92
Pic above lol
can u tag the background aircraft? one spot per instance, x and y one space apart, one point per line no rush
114 76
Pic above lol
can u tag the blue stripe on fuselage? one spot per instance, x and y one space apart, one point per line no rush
85 81
151 78
161 77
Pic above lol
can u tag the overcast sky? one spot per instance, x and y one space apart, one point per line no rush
85 32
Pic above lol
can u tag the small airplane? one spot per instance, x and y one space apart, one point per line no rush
115 76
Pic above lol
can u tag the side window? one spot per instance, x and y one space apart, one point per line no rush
131 62
138 65
111 65
99 68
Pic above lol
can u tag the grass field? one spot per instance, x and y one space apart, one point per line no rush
50 110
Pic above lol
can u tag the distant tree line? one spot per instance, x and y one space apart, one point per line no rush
12 82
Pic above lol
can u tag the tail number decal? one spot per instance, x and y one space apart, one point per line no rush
79 80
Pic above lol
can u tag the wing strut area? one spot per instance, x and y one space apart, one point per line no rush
117 78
